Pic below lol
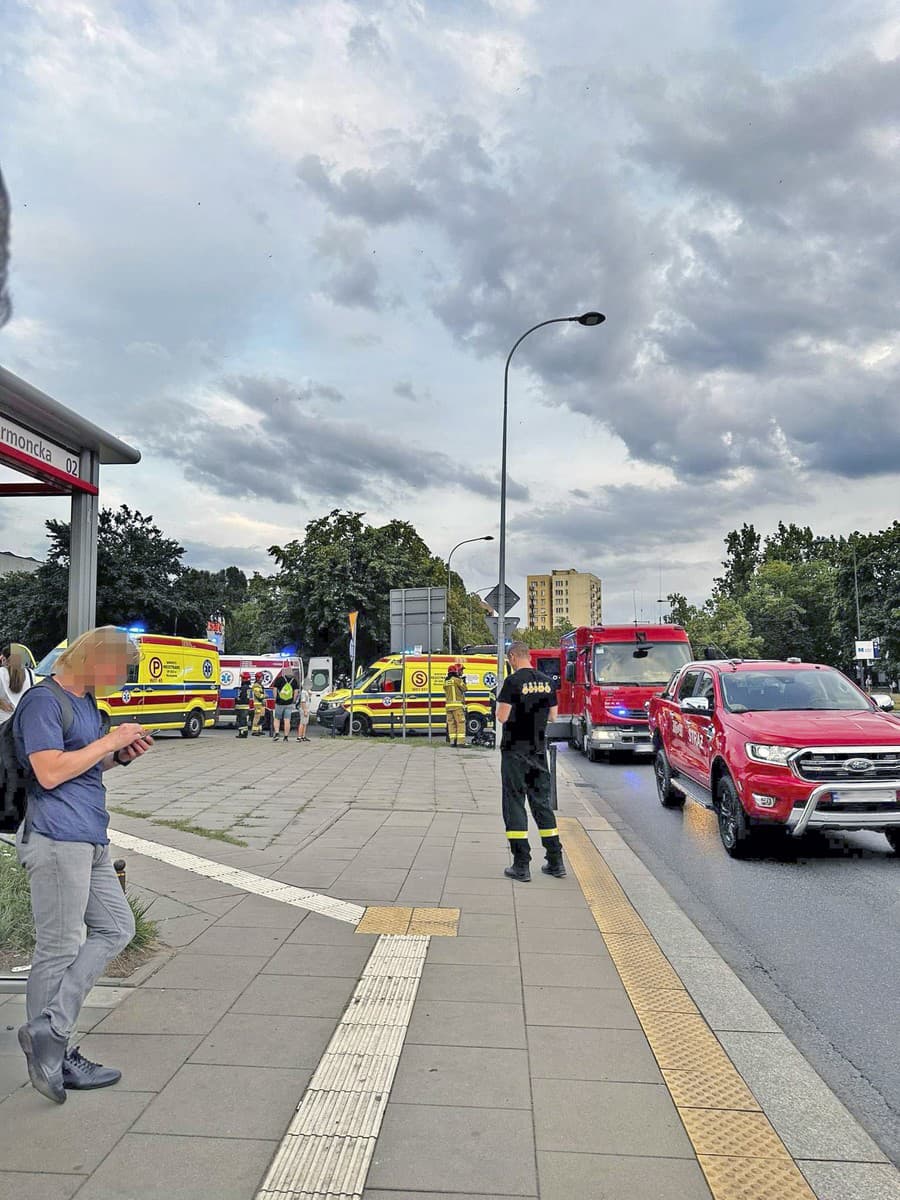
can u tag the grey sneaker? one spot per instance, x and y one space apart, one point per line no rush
44 1051
80 1074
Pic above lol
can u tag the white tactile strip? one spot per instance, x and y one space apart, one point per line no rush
244 881
326 1152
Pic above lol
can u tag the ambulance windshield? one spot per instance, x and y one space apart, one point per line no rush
48 662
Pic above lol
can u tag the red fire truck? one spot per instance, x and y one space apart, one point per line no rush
609 673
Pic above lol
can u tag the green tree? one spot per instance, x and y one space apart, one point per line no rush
343 564
743 557
197 594
878 573
719 624
20 596
792 607
542 639
136 569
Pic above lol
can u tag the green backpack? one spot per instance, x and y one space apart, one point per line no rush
286 692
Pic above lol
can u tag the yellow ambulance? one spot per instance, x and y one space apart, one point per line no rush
174 686
398 690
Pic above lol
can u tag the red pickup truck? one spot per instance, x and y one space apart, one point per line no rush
786 744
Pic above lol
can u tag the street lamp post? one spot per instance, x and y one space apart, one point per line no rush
588 318
488 537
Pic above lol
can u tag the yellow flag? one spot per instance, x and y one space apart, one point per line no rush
352 618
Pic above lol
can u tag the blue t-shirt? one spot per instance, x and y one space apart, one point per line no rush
74 811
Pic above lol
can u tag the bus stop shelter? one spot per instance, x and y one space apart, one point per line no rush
59 453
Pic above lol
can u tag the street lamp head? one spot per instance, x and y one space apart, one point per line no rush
590 318
488 537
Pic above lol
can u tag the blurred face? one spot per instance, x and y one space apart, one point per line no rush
104 667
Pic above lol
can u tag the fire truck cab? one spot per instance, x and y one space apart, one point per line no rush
609 674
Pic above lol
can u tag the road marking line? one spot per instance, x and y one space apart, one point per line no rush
244 881
329 1144
738 1149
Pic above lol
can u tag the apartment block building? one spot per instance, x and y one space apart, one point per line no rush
573 596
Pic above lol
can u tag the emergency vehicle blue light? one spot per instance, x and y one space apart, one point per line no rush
621 712
288 651
137 628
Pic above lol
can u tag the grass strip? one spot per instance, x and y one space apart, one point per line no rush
186 826
17 926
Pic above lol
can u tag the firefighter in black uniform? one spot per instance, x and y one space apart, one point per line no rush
242 705
526 702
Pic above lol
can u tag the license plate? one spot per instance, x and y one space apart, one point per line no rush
875 796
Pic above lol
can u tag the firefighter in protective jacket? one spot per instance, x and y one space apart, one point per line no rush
258 700
455 693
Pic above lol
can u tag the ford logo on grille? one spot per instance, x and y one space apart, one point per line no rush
858 765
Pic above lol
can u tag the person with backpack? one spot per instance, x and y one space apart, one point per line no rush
16 677
285 689
242 702
63 845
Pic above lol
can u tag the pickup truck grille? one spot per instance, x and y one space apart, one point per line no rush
827 766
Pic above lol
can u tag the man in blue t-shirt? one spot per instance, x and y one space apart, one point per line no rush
64 848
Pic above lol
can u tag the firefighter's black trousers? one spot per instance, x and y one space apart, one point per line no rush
527 778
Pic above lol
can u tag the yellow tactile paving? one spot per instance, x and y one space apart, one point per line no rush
740 1153
754 1179
661 1000
435 922
733 1134
414 922
702 1089
381 919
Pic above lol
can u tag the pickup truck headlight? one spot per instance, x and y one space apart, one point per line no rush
776 755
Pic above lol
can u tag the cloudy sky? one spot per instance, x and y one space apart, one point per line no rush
283 247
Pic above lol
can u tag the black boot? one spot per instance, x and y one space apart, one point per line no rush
520 869
554 865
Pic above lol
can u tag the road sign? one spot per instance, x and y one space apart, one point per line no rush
417 618
510 624
493 598
867 651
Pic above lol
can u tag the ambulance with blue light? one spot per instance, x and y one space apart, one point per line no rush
318 678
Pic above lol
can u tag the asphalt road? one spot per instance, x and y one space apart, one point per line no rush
812 928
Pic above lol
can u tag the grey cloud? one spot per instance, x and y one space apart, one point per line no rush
736 315
284 452
364 41
205 556
379 197
406 391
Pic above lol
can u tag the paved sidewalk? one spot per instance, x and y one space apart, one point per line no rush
525 1069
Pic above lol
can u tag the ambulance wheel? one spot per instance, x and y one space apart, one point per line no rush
474 725
362 726
193 726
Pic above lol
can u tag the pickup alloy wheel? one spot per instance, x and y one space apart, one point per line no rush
734 829
668 796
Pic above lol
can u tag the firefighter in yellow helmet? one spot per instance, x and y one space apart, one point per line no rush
258 702
455 694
